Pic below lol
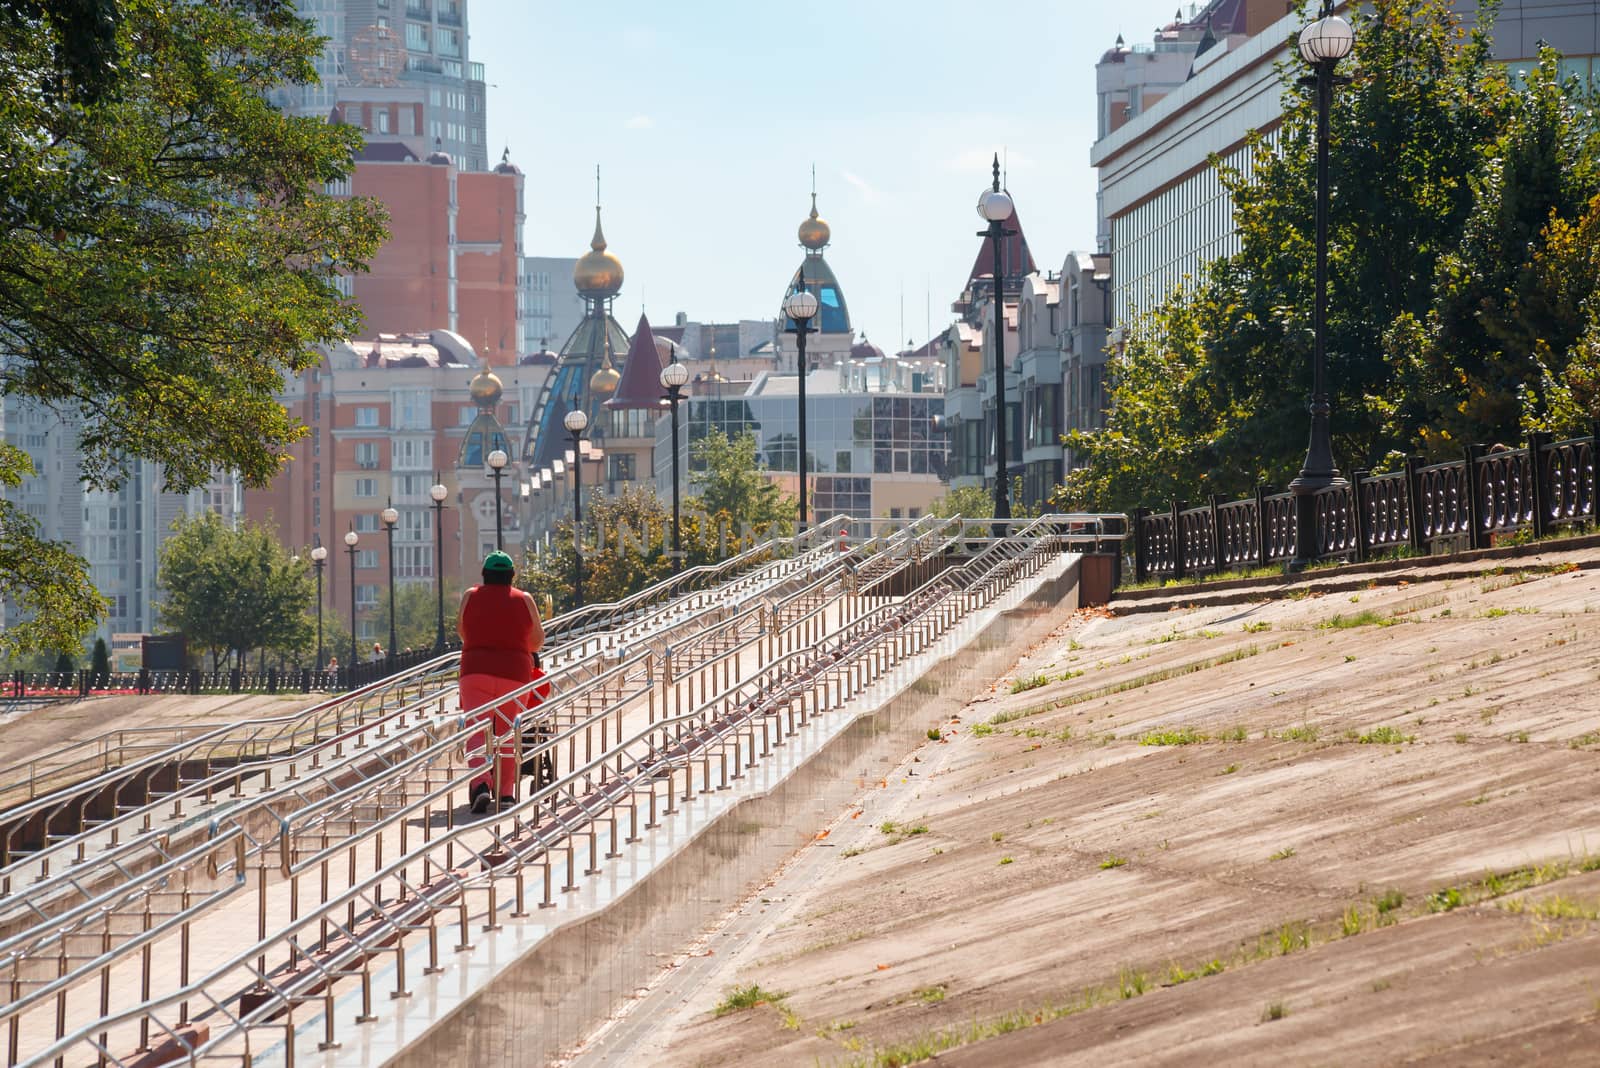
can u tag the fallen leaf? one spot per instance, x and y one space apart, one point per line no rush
822 834
883 967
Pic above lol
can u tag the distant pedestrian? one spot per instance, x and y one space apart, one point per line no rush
377 653
501 636
333 663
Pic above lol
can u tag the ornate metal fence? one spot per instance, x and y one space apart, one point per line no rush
1428 508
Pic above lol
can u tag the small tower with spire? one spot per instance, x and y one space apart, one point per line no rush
831 333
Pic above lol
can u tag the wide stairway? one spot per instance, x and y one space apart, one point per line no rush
280 890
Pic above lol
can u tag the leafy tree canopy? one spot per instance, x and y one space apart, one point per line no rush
1447 181
168 252
730 479
232 591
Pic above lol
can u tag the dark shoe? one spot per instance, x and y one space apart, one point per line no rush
507 802
481 798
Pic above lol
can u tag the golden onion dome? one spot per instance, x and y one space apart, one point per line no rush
598 273
603 382
814 233
486 389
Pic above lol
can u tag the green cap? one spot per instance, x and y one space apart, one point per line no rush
498 561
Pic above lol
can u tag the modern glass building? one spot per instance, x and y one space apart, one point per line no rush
870 453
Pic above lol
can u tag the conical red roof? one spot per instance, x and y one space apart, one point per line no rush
1015 260
640 386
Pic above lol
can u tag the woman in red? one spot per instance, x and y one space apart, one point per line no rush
500 631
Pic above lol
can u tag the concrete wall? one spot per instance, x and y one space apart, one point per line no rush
556 992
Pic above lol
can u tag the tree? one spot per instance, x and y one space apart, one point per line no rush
625 541
416 614
101 661
232 591
730 480
968 502
169 253
1442 171
64 664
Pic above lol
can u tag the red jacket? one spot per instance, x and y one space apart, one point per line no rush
497 633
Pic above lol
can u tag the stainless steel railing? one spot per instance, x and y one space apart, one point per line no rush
587 792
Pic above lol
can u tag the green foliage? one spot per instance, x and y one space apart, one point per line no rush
169 253
64 663
969 502
731 486
232 591
625 541
100 662
1460 244
416 614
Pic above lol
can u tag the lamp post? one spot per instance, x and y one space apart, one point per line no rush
319 559
674 376
1322 45
438 492
350 539
497 464
390 517
995 206
800 307
576 422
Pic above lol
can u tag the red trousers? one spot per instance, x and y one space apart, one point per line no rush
479 690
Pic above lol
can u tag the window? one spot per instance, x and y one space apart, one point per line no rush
367 455
621 467
366 417
416 37
449 41
366 487
411 409
383 122
367 523
366 558
413 454
467 416
366 596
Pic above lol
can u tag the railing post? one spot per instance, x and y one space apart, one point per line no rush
1218 564
1537 484
1477 536
1358 479
1414 520
1141 552
1261 526
1177 538
1594 473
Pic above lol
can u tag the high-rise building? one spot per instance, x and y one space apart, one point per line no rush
400 70
119 532
454 254
551 307
389 418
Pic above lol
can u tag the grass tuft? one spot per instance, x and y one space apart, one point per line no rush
737 998
1174 736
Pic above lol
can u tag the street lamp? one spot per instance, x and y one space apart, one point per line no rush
350 539
438 492
995 206
390 517
801 306
576 423
319 558
497 463
1322 45
674 376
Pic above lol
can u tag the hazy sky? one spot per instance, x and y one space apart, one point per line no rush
707 115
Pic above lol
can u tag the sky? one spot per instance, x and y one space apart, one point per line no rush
706 117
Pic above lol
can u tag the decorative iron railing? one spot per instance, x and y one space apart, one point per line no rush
1428 508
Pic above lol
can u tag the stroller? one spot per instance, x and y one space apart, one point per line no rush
540 767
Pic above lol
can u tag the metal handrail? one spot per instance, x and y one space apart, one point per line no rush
258 732
999 555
